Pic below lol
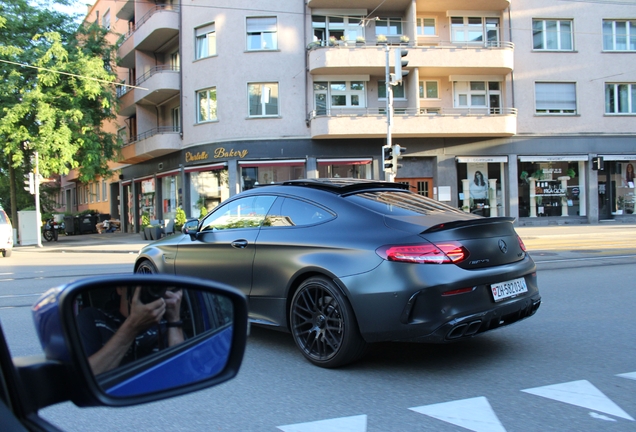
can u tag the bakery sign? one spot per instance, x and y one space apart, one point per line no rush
219 153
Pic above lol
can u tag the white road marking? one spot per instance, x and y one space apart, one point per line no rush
580 393
343 424
631 375
474 414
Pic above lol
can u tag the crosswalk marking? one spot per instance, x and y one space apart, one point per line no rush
580 393
474 414
343 424
631 375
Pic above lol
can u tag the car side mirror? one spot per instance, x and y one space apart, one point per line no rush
190 227
140 338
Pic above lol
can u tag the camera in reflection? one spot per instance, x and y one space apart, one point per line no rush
149 294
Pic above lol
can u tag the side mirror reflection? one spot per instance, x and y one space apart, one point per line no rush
148 337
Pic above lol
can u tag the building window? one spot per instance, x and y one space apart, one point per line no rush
262 34
620 98
426 27
205 41
263 99
619 35
338 94
91 194
339 27
106 20
97 193
388 26
206 103
176 119
104 190
555 98
474 29
428 90
552 35
398 90
477 94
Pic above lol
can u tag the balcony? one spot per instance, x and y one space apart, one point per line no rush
414 123
151 31
151 144
442 59
158 85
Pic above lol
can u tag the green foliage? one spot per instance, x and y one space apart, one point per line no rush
180 219
55 94
145 220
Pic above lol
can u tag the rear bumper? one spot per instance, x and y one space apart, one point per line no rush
407 303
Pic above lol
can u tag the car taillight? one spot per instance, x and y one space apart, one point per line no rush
521 245
440 253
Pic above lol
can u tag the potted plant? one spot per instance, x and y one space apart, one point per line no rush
360 40
180 220
155 230
332 41
343 41
404 39
144 227
381 39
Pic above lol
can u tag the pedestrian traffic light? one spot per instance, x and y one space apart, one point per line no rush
400 64
397 155
597 163
29 183
387 157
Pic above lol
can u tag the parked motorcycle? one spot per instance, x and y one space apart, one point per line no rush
52 229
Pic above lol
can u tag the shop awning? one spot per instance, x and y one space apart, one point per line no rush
481 159
565 158
289 162
619 157
209 167
169 173
359 161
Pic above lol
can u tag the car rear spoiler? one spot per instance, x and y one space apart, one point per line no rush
469 222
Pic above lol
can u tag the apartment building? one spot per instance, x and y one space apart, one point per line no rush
508 108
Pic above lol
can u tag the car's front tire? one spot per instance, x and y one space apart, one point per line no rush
146 267
323 324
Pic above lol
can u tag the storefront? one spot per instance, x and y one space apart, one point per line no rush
616 186
208 186
552 186
482 185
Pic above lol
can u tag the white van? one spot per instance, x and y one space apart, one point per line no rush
6 234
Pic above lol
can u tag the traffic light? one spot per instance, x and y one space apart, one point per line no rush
387 156
400 64
597 163
29 183
397 155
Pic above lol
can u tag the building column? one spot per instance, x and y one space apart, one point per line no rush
512 189
234 177
591 191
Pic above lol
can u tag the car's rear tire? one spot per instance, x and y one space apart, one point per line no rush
323 324
48 235
6 253
146 267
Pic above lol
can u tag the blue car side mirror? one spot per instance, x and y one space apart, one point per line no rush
133 339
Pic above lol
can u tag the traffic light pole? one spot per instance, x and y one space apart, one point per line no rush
38 216
388 175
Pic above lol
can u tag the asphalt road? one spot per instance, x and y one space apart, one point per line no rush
571 367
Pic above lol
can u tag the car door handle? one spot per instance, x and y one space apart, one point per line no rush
239 244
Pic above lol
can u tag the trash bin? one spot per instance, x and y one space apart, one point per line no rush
71 225
87 224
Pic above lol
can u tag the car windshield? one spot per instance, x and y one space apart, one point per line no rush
399 203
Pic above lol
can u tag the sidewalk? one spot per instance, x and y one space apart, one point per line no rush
621 236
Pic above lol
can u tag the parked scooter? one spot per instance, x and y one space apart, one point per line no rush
51 230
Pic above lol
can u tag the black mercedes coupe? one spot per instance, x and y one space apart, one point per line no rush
341 263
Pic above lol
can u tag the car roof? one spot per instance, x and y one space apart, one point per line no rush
341 186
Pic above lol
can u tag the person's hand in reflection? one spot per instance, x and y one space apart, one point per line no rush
118 335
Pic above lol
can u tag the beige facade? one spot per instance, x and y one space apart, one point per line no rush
523 93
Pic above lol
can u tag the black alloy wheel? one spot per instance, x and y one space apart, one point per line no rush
48 235
323 324
146 267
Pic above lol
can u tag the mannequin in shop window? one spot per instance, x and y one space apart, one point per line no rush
629 175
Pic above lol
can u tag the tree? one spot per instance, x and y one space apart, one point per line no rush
56 92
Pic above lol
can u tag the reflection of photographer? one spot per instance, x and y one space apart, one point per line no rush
141 321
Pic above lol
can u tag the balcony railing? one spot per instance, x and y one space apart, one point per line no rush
418 44
152 132
155 70
144 19
412 112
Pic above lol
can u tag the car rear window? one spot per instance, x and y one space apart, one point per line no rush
399 203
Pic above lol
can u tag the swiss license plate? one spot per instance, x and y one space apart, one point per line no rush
511 288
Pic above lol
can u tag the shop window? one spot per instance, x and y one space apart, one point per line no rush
207 190
549 189
335 168
253 174
481 188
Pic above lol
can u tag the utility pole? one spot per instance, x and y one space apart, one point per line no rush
390 173
38 216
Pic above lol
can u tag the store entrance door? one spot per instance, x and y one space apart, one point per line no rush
422 186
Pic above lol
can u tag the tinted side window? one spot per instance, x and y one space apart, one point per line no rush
293 212
395 203
248 212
